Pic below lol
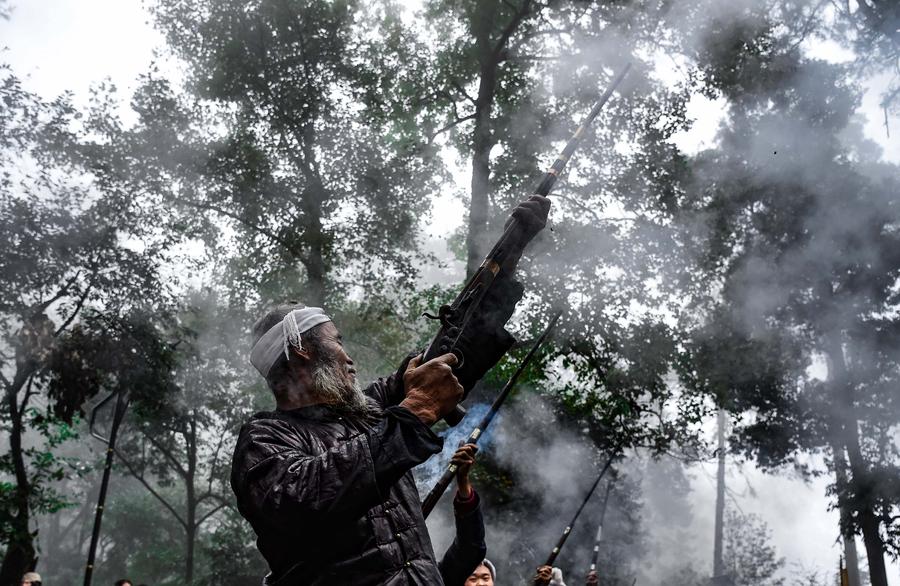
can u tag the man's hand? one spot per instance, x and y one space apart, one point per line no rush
543 576
432 390
464 458
592 579
531 215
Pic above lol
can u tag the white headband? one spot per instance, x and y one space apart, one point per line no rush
285 333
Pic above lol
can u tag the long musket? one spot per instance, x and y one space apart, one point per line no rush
600 528
568 529
456 316
434 495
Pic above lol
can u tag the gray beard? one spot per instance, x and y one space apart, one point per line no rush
332 387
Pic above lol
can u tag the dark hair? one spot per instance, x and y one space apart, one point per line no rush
123 581
312 339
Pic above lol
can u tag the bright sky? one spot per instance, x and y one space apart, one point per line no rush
59 45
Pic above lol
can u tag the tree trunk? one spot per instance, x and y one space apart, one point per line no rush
718 550
847 535
315 238
20 555
191 503
860 483
482 137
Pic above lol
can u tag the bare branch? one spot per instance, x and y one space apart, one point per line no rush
448 127
167 454
211 512
159 497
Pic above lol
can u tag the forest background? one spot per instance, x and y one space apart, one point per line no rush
726 238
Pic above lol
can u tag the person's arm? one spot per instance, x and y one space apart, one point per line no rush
286 482
468 548
283 481
543 576
592 579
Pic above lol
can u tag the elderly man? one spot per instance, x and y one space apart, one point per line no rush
325 479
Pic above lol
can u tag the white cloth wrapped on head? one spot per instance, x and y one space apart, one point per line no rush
286 333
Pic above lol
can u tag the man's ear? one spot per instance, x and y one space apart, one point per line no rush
305 355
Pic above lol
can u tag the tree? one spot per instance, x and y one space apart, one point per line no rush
802 249
748 557
75 270
311 163
179 445
873 26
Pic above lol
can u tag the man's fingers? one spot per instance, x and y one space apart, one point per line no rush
414 363
449 359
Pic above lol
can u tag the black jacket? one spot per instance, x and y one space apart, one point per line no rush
468 548
332 501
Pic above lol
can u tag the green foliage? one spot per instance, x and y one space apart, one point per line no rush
72 259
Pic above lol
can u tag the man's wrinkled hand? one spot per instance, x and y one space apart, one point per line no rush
592 579
432 390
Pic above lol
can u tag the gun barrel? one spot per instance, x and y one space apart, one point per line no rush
472 295
560 163
600 527
565 535
446 478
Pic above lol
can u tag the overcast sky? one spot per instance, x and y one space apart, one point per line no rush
59 45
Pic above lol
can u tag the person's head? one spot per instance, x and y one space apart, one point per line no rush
31 579
315 369
484 575
124 582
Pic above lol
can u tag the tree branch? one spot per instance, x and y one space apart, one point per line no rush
77 310
167 454
140 478
462 91
450 126
40 307
28 394
514 23
211 512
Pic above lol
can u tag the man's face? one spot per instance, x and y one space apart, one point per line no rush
334 378
480 577
336 356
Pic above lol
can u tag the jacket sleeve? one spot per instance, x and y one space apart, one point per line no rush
468 548
283 482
